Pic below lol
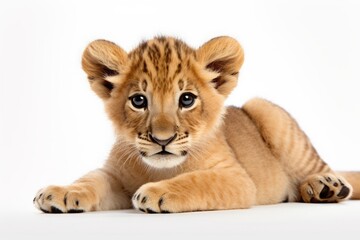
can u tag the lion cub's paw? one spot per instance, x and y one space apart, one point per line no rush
325 188
157 198
69 199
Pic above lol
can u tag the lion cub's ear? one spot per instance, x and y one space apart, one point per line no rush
102 60
224 56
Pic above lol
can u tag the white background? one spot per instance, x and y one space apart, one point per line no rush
302 55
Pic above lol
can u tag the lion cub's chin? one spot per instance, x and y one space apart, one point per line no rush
160 162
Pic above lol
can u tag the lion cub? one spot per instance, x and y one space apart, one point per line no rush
179 149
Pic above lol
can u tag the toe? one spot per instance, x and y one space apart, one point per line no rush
344 192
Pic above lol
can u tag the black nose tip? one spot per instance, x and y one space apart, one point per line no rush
162 142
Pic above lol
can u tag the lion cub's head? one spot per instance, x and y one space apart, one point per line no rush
164 97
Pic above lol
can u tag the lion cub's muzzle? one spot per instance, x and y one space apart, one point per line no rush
165 152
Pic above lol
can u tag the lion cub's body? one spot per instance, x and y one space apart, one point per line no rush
179 149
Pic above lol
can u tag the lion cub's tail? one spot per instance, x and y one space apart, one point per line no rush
354 179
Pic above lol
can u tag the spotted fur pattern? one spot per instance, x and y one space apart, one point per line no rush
179 149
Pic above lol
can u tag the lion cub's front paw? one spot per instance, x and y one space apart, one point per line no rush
157 198
69 199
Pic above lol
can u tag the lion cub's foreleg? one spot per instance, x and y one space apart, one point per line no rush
98 190
199 190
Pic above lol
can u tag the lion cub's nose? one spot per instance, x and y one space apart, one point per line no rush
162 142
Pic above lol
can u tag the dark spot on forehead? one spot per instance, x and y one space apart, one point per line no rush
167 51
178 49
144 85
142 47
156 50
135 86
178 69
154 54
145 69
161 39
181 84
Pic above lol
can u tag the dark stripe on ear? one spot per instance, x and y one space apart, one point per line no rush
217 66
108 85
109 72
218 82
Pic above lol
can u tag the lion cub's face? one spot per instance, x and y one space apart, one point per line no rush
164 97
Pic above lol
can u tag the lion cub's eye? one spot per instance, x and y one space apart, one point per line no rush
138 101
187 100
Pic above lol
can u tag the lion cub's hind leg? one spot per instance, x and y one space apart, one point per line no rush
325 188
290 145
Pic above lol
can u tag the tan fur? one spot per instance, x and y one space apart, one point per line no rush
171 157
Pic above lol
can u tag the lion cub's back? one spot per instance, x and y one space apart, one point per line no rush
272 182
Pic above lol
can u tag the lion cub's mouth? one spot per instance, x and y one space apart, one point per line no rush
163 152
165 159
